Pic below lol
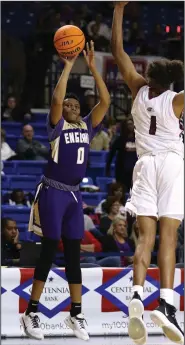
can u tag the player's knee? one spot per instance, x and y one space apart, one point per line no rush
168 237
47 255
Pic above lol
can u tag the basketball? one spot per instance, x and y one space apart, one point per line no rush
69 41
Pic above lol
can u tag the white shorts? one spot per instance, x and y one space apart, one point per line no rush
158 186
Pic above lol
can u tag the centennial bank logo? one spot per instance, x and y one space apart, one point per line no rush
55 297
118 290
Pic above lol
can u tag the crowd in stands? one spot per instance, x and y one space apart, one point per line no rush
108 229
28 29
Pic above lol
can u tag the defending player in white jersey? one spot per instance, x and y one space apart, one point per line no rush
158 178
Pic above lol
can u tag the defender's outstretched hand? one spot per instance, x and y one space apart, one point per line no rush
89 55
121 3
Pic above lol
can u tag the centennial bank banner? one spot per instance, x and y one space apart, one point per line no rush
106 295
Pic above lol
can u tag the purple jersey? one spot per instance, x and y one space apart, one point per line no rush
69 148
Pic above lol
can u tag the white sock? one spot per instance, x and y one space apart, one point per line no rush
167 295
138 289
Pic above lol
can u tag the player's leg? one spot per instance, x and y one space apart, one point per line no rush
142 259
50 216
73 273
72 233
143 203
164 315
171 209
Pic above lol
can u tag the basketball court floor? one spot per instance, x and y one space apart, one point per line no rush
152 340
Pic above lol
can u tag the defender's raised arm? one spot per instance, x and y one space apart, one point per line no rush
133 79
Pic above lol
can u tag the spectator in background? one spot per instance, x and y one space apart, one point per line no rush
10 246
117 240
8 111
13 63
18 198
112 208
89 102
100 142
99 32
112 131
156 37
115 190
6 151
125 150
14 112
30 149
88 223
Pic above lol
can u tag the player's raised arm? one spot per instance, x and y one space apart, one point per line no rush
133 79
101 108
178 104
60 92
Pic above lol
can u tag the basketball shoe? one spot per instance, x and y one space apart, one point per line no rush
76 323
136 327
31 326
164 317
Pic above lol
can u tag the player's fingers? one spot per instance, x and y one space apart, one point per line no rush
92 46
87 46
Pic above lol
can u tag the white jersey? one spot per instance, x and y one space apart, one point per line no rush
157 129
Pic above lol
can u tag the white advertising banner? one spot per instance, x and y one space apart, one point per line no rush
106 295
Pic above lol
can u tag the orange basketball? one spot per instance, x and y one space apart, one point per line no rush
69 41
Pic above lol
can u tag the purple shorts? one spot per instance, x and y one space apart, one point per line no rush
61 213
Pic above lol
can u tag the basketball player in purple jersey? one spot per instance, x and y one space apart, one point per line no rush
57 210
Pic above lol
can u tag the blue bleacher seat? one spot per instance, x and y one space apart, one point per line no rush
39 128
94 171
19 214
13 139
22 227
14 128
25 182
39 118
93 199
30 167
103 182
5 182
96 157
24 236
9 167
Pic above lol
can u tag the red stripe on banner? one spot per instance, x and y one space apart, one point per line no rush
26 274
67 308
106 305
153 273
182 297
